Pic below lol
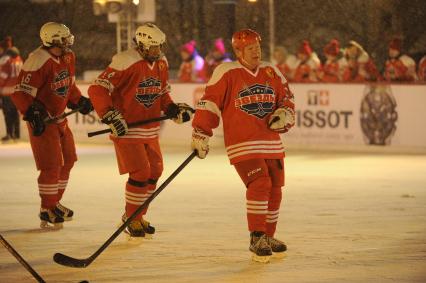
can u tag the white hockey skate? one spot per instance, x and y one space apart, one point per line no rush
63 212
260 248
49 220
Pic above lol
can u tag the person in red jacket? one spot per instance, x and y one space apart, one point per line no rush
359 67
10 66
308 64
46 85
399 67
213 59
281 58
135 87
256 104
331 69
192 63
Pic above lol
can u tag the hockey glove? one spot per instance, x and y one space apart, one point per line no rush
83 103
116 122
200 143
281 120
184 113
35 116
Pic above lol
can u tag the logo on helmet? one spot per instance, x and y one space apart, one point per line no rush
257 100
61 83
148 91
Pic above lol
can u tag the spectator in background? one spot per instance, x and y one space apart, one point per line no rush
10 66
192 63
308 64
422 69
399 67
359 67
331 69
214 58
282 59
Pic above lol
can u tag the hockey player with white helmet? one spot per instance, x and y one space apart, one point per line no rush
46 86
135 87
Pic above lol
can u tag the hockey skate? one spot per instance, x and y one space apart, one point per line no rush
278 247
134 229
148 229
260 247
63 212
49 218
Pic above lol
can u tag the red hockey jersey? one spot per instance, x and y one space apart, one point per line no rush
422 69
48 79
245 100
135 87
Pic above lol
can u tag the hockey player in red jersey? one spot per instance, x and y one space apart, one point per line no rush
256 105
135 87
46 85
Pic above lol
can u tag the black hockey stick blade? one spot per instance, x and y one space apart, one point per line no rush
21 260
72 262
82 263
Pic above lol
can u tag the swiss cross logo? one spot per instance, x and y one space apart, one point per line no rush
148 91
257 100
318 97
61 83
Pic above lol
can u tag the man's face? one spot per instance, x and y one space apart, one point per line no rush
251 55
184 55
393 53
279 56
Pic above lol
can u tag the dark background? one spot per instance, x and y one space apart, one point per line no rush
370 22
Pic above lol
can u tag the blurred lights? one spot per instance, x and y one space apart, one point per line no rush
136 2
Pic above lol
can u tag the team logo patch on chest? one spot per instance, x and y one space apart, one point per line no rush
61 83
257 100
148 91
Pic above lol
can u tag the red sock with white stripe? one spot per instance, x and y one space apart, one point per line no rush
273 211
64 175
257 196
136 194
48 188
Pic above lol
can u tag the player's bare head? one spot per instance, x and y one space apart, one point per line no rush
56 35
246 45
150 40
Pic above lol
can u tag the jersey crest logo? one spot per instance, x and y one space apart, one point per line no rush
270 72
257 100
148 91
61 83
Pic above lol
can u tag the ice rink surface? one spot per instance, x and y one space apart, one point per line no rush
346 217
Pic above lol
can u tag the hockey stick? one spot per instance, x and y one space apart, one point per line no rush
135 124
21 260
81 263
51 120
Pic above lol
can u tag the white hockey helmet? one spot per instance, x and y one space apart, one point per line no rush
56 34
148 35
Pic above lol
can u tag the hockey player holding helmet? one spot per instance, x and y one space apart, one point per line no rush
46 85
135 87
255 94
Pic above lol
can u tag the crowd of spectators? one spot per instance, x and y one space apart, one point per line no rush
349 64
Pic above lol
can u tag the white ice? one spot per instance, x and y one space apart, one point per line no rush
346 217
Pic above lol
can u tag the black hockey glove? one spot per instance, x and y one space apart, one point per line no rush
83 103
180 112
172 110
35 116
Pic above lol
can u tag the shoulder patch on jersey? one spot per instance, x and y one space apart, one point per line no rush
36 60
221 70
125 59
272 71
